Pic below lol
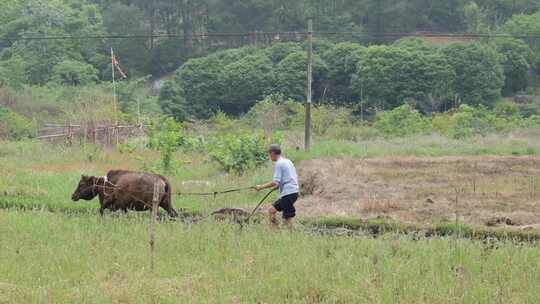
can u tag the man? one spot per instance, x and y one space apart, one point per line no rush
286 179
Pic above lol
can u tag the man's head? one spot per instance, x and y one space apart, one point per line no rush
274 151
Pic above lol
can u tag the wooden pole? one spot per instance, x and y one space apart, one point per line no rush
307 138
155 204
114 87
138 111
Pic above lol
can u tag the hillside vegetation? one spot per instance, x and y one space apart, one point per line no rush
367 70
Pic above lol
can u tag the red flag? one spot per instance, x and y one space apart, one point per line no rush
116 64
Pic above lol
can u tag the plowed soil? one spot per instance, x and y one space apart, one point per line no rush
490 191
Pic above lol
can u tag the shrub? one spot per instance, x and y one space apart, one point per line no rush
533 121
127 148
74 73
14 126
236 153
464 123
353 132
270 114
529 109
324 118
400 122
468 121
168 137
170 131
220 122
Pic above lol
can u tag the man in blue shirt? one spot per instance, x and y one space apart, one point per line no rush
286 180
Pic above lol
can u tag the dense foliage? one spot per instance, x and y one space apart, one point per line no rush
33 61
378 77
14 126
358 77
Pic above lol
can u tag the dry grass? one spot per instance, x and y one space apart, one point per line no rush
492 190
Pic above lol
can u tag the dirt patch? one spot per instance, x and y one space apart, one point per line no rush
490 191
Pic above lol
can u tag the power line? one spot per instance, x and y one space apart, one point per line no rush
148 36
275 34
430 34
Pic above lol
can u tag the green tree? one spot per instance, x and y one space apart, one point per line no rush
280 51
479 72
246 81
172 101
497 12
74 73
342 61
13 72
291 77
200 81
134 55
389 75
526 25
51 18
517 61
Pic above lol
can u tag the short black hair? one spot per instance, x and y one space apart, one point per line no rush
274 149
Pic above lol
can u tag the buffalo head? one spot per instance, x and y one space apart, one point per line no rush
86 189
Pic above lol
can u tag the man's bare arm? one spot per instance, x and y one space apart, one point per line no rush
270 185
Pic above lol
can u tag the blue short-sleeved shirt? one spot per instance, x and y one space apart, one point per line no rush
285 175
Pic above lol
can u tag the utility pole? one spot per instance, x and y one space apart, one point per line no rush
115 99
307 138
114 87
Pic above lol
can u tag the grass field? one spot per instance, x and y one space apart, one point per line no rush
57 251
55 258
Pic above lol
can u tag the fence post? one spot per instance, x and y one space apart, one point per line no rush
155 204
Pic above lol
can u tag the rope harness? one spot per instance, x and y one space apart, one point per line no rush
114 187
108 185
215 193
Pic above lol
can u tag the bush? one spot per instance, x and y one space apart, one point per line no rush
270 114
221 123
324 118
74 73
168 137
533 121
353 132
400 122
468 121
14 126
275 112
236 153
157 133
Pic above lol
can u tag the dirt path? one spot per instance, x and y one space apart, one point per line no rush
491 191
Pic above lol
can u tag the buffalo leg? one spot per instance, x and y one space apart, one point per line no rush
107 203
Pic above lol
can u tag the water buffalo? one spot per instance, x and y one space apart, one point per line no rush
125 190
